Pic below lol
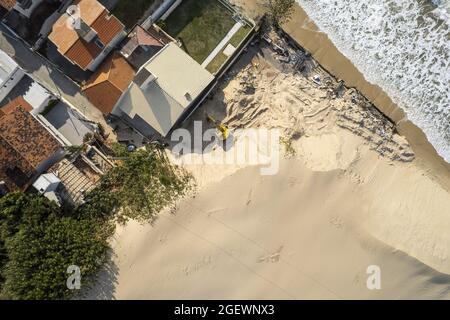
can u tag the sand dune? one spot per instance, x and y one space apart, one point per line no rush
300 234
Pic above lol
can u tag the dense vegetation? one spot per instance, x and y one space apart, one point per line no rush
144 184
39 240
39 244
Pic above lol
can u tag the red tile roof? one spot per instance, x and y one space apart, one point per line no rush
75 48
24 144
8 4
108 84
83 53
107 27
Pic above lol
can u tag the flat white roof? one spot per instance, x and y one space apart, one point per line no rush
36 95
45 181
178 81
7 66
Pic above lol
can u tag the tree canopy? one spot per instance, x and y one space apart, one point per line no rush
142 186
40 245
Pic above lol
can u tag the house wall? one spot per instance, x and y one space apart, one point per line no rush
63 140
97 61
27 12
46 164
37 109
11 82
171 9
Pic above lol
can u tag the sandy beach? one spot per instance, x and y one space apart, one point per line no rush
245 243
352 191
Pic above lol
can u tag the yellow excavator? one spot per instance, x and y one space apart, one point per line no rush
222 128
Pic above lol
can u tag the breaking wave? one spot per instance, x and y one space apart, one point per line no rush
403 46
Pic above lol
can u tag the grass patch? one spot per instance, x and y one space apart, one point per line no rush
130 12
235 41
217 63
200 25
240 35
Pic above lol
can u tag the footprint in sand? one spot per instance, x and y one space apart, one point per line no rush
337 222
272 258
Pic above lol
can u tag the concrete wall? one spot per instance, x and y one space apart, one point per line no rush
27 12
97 61
11 82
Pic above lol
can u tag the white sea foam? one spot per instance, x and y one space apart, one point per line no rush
401 45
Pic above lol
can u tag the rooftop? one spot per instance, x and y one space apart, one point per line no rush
69 42
164 88
142 44
24 144
7 65
77 178
107 85
8 4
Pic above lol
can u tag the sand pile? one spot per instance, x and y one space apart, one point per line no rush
299 234
261 96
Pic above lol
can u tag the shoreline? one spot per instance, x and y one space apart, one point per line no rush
306 34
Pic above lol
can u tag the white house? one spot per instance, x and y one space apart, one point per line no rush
164 92
10 74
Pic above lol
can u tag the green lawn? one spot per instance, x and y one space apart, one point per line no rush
235 41
240 35
200 25
216 63
129 12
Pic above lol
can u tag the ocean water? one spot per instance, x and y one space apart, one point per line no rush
403 46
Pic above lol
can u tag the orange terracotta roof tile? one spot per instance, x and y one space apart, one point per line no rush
24 144
69 43
107 27
8 4
108 84
83 53
11 106
89 10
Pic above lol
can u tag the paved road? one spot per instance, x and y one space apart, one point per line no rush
47 75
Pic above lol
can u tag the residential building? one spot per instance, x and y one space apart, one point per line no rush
86 34
109 83
165 91
10 74
69 180
26 148
142 44
63 121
